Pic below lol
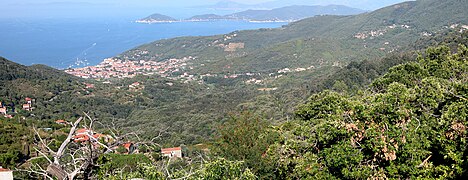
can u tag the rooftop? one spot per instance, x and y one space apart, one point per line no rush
4 170
171 149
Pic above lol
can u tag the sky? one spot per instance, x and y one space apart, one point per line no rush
138 8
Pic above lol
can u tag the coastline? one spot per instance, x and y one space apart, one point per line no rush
214 20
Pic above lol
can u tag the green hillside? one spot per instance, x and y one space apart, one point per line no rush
56 94
274 71
330 97
329 52
311 41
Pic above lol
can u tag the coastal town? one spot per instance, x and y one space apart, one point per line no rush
117 68
174 69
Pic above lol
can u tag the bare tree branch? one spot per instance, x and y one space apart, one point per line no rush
42 141
45 156
65 143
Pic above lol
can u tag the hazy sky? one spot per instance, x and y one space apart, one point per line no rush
138 8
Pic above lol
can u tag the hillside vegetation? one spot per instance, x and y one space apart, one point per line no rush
330 97
322 49
318 41
343 53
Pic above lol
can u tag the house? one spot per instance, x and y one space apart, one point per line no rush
106 138
81 138
85 135
62 122
6 174
172 152
130 147
89 86
134 85
82 135
3 110
28 100
83 131
27 107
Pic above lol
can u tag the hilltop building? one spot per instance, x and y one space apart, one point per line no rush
6 174
28 106
3 110
172 152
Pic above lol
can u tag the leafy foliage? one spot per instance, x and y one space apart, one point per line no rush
410 124
245 138
14 143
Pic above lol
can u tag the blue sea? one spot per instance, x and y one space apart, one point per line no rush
64 43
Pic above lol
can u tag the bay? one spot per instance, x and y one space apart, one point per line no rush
65 43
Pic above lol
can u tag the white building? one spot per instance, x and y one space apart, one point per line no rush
172 152
6 174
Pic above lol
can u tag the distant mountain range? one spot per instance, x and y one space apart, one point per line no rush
285 14
294 13
361 4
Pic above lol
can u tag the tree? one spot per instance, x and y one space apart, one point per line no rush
412 123
245 138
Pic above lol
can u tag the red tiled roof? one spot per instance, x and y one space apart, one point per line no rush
27 99
97 136
4 170
127 145
61 121
171 149
81 138
83 130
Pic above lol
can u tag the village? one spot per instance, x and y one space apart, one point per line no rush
97 140
174 69
117 68
85 135
8 110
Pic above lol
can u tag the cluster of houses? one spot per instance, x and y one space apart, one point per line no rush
5 111
117 68
85 135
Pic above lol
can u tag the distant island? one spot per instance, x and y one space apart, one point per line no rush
292 13
208 17
157 18
285 14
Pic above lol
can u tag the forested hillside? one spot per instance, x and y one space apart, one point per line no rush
56 94
319 41
372 96
276 70
270 70
410 123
